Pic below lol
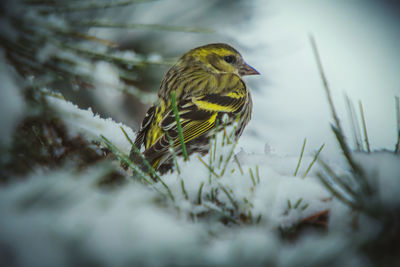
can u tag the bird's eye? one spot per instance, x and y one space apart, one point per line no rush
230 59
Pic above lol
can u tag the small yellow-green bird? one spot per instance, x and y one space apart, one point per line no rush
208 84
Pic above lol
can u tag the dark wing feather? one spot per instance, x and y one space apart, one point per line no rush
198 116
144 127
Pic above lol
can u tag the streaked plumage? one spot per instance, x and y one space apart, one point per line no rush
207 83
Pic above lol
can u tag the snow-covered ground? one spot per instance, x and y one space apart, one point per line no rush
238 213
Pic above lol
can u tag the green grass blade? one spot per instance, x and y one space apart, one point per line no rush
178 125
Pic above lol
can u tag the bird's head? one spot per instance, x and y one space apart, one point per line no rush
219 58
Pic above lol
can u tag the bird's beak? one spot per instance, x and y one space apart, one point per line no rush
246 69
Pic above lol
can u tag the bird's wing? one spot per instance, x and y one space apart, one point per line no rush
198 116
144 127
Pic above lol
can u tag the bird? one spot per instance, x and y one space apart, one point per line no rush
207 83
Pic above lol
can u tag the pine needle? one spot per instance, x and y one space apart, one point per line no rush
397 101
173 152
121 156
153 171
126 136
301 157
298 203
199 193
229 158
258 174
208 167
313 161
184 190
336 193
178 125
140 26
364 127
91 5
215 138
343 184
326 86
354 124
305 206
230 197
252 177
238 163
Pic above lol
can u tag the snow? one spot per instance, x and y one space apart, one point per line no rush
91 126
61 217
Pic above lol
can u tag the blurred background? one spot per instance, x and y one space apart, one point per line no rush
90 48
110 57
